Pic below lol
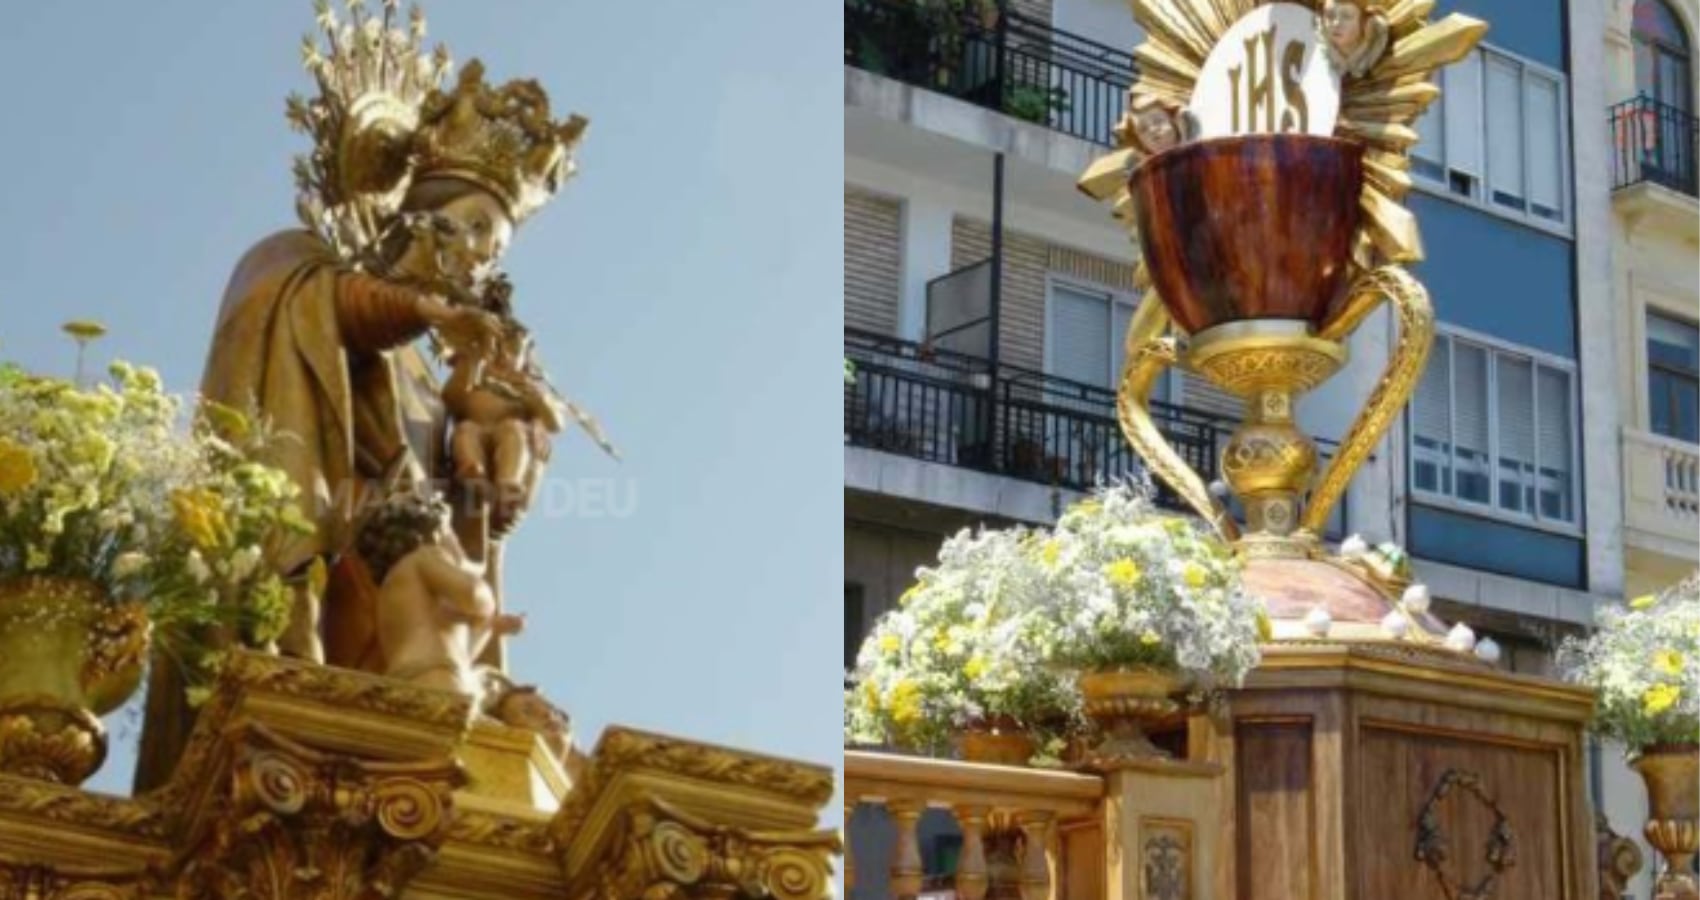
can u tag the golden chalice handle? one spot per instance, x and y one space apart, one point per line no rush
1405 364
1148 354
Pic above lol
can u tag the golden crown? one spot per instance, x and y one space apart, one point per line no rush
501 139
382 120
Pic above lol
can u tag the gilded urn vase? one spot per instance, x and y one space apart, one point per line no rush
68 655
1673 813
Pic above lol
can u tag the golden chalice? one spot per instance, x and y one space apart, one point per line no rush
1248 242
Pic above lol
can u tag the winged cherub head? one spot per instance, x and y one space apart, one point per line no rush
1355 32
1153 125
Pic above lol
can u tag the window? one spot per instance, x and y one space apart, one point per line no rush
1662 70
1493 430
854 623
1673 377
1496 137
1084 335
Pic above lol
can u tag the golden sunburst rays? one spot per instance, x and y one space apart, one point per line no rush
1377 110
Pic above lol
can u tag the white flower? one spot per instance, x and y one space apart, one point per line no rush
244 561
1353 547
197 567
128 564
1395 624
1461 638
1318 621
1416 599
1488 650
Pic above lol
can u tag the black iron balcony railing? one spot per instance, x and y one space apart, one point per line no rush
951 408
1002 60
1654 142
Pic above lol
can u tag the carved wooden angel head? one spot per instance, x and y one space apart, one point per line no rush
1355 32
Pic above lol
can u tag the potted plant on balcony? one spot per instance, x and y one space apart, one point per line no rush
964 659
1642 660
1149 608
114 523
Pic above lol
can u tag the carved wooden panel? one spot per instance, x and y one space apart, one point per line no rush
1275 816
1165 859
1082 866
1410 796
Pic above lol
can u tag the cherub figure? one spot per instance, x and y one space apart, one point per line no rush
523 706
435 611
1152 125
502 409
1355 33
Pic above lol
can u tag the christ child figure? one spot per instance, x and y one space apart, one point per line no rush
503 408
435 609
1152 125
1355 33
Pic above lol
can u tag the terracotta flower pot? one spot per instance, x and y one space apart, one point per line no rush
1000 742
1673 803
1255 227
1123 703
67 656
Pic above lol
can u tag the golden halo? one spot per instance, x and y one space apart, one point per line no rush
1376 109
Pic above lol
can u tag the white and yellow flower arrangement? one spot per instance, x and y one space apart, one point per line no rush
1644 660
106 492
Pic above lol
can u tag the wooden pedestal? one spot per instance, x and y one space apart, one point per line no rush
1348 764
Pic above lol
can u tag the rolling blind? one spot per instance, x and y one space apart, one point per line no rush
1505 130
1080 348
1431 410
1546 179
1553 399
1469 393
1516 397
1463 111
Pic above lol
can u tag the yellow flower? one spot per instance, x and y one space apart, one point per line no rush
1050 552
1123 573
974 668
1642 602
1668 662
1195 575
890 644
17 468
1265 628
1150 638
870 696
909 594
1660 697
905 702
200 514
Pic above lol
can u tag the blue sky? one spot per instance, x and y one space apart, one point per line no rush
684 287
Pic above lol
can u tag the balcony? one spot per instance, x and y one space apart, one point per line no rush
1654 171
1661 491
1005 61
947 407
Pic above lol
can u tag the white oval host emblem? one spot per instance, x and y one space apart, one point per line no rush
1268 74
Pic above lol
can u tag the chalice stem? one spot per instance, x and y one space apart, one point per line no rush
1390 284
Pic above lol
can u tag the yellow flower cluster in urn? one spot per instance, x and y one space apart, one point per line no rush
1260 169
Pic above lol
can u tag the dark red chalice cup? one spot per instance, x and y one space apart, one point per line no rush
1254 227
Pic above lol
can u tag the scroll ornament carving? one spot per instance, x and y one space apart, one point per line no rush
663 853
297 824
19 882
1435 852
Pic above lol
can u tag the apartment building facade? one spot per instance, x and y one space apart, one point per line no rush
1532 476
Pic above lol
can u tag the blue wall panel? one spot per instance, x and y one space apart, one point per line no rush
1496 277
1492 546
1531 28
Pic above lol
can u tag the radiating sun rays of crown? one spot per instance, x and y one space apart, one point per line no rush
373 73
1377 108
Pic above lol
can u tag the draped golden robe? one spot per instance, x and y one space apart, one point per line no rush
326 356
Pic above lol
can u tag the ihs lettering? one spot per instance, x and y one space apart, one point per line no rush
1259 94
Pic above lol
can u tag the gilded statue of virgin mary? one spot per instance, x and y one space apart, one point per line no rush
410 196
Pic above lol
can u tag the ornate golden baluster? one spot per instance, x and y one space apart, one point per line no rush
906 869
972 877
1035 865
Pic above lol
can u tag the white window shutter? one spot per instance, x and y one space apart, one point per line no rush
1429 130
1516 408
1464 115
1557 469
1469 393
1505 128
1546 172
1079 344
1431 412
